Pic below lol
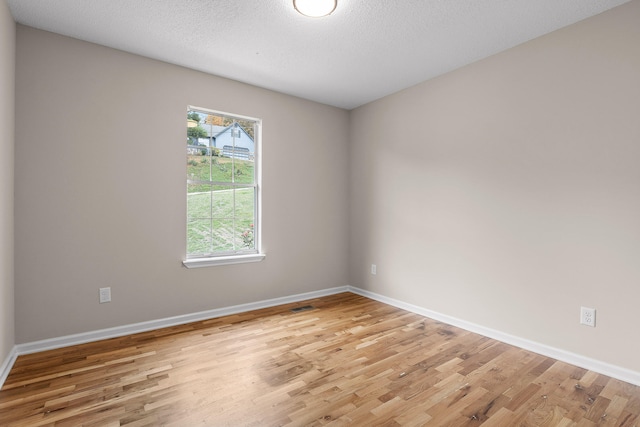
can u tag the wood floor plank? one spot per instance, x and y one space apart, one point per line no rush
347 361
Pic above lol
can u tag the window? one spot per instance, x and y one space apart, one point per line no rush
223 193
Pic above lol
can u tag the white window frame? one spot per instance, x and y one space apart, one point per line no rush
226 258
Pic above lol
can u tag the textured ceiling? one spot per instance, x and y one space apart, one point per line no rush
365 50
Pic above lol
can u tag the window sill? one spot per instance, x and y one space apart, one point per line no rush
223 260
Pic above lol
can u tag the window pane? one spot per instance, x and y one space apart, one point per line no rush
245 217
199 201
223 231
243 171
235 210
220 218
199 236
245 236
198 164
222 204
222 169
245 205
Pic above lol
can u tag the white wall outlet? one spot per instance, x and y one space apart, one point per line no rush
105 295
588 316
373 269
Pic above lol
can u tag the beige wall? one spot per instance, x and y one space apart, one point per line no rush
100 190
507 193
7 69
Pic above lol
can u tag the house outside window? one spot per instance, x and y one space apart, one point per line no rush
223 191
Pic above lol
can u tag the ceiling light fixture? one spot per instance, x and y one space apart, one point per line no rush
315 8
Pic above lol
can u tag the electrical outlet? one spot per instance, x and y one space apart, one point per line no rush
105 295
373 269
588 316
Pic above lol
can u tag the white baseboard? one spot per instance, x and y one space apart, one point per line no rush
6 366
118 331
598 366
613 371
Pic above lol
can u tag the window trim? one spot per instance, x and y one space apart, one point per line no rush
222 260
226 258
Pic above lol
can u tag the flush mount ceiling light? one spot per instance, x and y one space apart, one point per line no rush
315 8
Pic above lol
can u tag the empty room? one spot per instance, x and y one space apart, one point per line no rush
414 213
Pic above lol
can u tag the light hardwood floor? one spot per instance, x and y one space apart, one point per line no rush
349 361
